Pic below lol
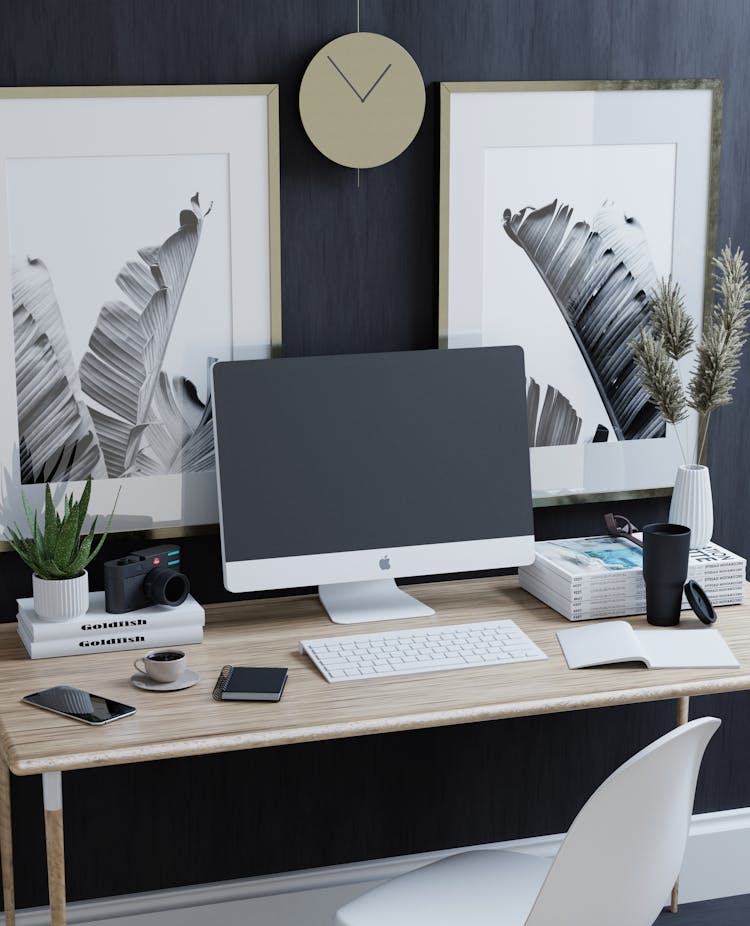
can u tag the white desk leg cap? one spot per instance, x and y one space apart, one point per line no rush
52 790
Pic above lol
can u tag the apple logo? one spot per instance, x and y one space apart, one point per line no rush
385 563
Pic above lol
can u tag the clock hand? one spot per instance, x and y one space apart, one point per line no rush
376 83
359 96
345 77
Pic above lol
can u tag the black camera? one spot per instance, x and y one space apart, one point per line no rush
143 578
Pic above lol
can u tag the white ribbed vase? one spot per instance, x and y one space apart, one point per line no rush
692 503
61 599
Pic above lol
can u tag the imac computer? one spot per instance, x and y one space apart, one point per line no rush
349 472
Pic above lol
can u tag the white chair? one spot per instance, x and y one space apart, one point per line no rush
616 865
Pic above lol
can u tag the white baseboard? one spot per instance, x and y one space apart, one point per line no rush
716 859
715 866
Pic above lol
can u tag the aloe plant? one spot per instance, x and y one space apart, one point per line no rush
59 551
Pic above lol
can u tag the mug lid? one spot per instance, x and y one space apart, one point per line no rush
700 602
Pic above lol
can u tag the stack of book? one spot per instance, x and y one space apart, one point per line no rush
98 631
590 577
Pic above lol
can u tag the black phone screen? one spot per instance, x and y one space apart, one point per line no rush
79 704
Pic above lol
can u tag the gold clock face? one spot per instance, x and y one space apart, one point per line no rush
362 99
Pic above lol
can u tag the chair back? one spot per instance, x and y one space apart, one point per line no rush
624 850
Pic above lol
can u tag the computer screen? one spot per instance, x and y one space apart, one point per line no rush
324 456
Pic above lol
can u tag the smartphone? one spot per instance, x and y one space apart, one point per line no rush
79 705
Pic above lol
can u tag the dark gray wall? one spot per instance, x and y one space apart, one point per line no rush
359 274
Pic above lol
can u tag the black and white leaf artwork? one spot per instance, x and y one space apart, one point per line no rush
181 439
599 275
119 414
556 423
57 438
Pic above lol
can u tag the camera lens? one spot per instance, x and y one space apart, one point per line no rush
166 586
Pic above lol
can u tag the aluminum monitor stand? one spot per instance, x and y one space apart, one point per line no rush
374 600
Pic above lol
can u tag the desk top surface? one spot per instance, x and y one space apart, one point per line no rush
267 632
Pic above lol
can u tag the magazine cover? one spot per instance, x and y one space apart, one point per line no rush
584 556
591 557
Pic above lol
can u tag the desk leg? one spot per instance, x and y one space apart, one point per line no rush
683 713
53 825
6 846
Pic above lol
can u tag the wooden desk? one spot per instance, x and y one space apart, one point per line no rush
188 723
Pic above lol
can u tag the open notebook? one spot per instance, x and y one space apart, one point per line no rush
616 641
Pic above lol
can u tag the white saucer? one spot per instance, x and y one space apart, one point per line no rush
186 680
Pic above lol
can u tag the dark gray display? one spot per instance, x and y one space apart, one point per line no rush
79 704
371 451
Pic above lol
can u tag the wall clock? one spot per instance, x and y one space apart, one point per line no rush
362 99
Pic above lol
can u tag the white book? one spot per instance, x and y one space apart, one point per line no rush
672 648
98 620
112 642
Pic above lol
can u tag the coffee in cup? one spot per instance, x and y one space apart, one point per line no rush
163 665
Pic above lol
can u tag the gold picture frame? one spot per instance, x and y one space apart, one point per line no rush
452 91
265 148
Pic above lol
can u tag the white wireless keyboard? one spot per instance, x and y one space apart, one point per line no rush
430 649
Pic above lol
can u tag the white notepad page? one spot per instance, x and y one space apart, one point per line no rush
672 648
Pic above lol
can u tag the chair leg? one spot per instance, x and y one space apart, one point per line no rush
683 714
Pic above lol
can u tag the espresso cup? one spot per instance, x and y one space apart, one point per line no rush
162 665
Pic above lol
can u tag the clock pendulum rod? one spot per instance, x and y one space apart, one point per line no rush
357 31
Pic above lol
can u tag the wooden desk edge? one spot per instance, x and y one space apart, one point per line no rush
237 742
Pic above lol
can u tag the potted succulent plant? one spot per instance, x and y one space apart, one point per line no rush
58 555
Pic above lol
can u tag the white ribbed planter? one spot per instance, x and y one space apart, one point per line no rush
692 503
61 599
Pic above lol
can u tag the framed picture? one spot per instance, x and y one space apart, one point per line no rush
139 241
562 205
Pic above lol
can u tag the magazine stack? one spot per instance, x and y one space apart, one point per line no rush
592 577
98 631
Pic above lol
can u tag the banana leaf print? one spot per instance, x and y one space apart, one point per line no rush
556 423
119 413
122 370
599 275
57 438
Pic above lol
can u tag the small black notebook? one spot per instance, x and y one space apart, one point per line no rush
244 683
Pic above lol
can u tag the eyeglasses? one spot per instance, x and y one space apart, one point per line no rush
619 526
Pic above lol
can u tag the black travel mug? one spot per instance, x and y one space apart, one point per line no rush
665 565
